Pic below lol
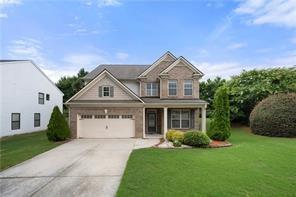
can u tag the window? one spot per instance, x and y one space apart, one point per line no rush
36 119
188 88
180 119
172 87
86 116
100 116
127 116
152 89
41 98
106 91
113 116
15 121
47 97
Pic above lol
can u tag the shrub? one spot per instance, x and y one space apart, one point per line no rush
220 124
57 128
177 143
169 135
196 138
173 135
275 116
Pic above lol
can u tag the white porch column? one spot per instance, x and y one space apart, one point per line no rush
203 119
144 119
165 121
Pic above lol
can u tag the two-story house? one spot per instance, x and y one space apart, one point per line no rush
122 101
27 97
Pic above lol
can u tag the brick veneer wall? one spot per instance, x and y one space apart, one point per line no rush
180 73
152 76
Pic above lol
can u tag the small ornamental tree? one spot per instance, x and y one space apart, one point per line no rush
220 124
57 128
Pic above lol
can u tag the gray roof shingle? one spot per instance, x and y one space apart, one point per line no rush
120 71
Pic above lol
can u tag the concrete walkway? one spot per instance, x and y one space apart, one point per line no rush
83 167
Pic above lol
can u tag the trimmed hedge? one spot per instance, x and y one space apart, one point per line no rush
275 116
220 124
57 128
173 135
196 138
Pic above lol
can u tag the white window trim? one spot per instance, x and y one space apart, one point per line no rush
151 89
108 91
169 87
180 113
184 82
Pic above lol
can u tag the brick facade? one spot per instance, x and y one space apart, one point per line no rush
179 73
153 75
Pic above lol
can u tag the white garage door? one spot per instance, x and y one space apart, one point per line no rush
103 126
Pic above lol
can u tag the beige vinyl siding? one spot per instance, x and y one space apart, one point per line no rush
93 92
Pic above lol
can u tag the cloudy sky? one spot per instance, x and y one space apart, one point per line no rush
221 38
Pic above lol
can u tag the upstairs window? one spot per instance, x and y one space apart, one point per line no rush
41 98
152 89
172 87
47 97
36 119
106 91
188 88
15 121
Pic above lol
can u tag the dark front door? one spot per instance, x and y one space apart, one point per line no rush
152 122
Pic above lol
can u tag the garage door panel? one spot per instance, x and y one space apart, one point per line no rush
106 128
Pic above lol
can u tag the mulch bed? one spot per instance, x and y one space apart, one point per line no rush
219 144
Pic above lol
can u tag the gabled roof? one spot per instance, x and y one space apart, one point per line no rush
120 71
163 57
35 65
97 78
186 63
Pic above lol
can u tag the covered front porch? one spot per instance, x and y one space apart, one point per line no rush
157 120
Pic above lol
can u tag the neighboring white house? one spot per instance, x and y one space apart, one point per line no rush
27 97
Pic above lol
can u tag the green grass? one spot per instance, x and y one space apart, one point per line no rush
18 148
253 166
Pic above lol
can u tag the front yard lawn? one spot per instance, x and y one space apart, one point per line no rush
253 166
18 148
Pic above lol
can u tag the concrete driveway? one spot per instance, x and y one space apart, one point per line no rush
83 167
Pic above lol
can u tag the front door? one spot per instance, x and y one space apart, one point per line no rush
152 122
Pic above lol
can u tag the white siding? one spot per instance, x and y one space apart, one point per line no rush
93 92
133 86
20 83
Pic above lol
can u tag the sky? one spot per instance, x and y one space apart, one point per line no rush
221 38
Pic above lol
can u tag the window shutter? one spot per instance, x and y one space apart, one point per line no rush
100 91
111 91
